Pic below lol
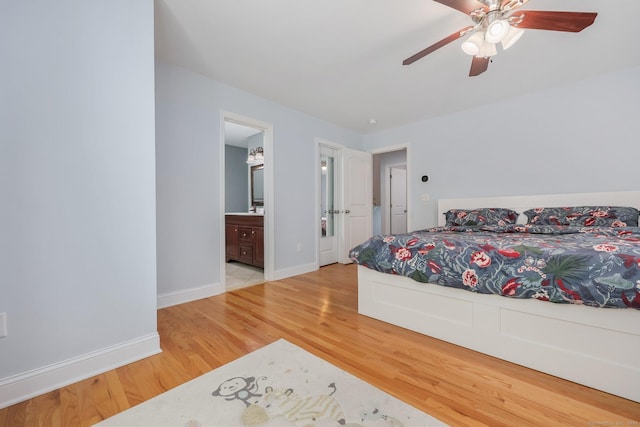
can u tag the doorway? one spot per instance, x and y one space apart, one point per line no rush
397 199
246 195
391 187
344 201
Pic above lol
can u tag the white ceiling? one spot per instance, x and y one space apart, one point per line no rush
238 135
341 60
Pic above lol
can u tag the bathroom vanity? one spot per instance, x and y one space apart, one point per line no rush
245 238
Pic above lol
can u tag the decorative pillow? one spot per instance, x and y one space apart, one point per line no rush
604 216
482 216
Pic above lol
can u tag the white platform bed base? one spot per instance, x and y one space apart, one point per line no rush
596 347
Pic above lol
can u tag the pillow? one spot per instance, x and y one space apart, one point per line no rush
603 216
482 216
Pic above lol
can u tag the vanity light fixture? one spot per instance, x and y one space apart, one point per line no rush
256 156
259 155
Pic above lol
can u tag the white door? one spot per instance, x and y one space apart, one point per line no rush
328 206
356 209
398 197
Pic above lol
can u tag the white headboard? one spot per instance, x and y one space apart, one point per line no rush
522 203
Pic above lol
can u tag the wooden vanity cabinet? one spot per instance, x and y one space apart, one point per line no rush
258 249
245 239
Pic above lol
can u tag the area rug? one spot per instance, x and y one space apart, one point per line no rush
279 385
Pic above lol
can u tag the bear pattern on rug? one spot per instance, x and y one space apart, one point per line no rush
266 405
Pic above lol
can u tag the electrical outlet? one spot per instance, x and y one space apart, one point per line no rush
299 247
3 325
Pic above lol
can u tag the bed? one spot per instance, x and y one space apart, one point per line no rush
597 346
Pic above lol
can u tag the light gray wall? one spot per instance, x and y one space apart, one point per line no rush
77 252
236 194
188 112
581 137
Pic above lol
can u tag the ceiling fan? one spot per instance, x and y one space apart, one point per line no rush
499 21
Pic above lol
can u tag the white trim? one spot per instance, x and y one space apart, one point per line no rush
269 209
390 149
295 271
187 295
29 384
409 190
318 194
334 145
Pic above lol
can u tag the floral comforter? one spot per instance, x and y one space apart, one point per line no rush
595 266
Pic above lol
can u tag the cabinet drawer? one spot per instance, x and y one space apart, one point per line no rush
246 254
245 234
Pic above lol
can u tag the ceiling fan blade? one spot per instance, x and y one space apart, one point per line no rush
464 6
478 66
556 21
445 41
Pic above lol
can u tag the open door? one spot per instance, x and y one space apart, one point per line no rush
398 196
357 200
328 206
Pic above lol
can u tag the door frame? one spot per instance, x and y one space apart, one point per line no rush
269 239
391 149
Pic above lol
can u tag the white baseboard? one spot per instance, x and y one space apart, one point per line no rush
294 271
29 384
187 295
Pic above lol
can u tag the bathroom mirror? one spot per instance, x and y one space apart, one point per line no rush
257 185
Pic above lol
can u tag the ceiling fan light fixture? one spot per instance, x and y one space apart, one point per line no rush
487 50
494 21
473 44
497 31
512 37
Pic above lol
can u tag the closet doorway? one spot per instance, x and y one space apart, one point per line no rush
246 194
391 189
397 199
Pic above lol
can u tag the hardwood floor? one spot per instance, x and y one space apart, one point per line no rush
318 312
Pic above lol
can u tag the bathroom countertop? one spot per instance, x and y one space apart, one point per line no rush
245 213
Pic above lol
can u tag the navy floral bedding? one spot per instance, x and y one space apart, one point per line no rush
595 266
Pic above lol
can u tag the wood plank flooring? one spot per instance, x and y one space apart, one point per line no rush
318 312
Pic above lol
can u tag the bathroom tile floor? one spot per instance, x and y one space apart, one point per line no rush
240 275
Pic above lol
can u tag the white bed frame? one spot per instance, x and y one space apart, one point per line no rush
596 347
